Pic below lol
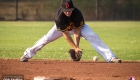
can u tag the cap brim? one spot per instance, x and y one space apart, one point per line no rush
70 9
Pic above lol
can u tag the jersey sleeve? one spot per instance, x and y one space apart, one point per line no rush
79 20
60 24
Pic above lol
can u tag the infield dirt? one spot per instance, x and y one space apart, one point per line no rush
69 70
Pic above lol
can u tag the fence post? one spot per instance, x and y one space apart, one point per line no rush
16 7
97 9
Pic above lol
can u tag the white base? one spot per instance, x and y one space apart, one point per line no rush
41 78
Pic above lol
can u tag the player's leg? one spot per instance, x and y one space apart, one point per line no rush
97 43
52 35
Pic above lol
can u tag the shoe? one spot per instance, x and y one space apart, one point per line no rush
23 59
116 60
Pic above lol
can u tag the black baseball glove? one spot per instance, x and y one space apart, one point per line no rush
75 56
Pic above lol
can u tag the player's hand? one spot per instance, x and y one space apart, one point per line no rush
77 50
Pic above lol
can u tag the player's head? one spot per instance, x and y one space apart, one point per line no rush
67 5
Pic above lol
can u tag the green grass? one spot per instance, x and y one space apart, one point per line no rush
121 36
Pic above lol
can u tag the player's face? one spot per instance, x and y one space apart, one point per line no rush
68 13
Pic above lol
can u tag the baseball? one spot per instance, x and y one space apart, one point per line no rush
95 58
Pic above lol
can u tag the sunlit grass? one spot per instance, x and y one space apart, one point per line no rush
121 36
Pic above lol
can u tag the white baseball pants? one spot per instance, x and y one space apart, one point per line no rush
86 32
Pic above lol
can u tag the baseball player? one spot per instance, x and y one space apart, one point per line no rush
69 21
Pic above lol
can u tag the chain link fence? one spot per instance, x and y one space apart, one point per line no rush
44 10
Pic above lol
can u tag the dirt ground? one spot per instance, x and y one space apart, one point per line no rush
69 70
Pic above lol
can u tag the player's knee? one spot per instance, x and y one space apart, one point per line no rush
45 40
48 39
90 36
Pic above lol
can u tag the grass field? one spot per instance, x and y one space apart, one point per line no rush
123 37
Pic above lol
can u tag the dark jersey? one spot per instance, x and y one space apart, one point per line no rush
65 23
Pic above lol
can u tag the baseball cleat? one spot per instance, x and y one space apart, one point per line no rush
23 59
116 60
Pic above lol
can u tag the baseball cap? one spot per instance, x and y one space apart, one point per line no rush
67 5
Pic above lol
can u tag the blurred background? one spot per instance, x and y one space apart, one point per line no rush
43 10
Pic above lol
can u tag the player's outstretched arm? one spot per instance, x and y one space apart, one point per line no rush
70 41
77 35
